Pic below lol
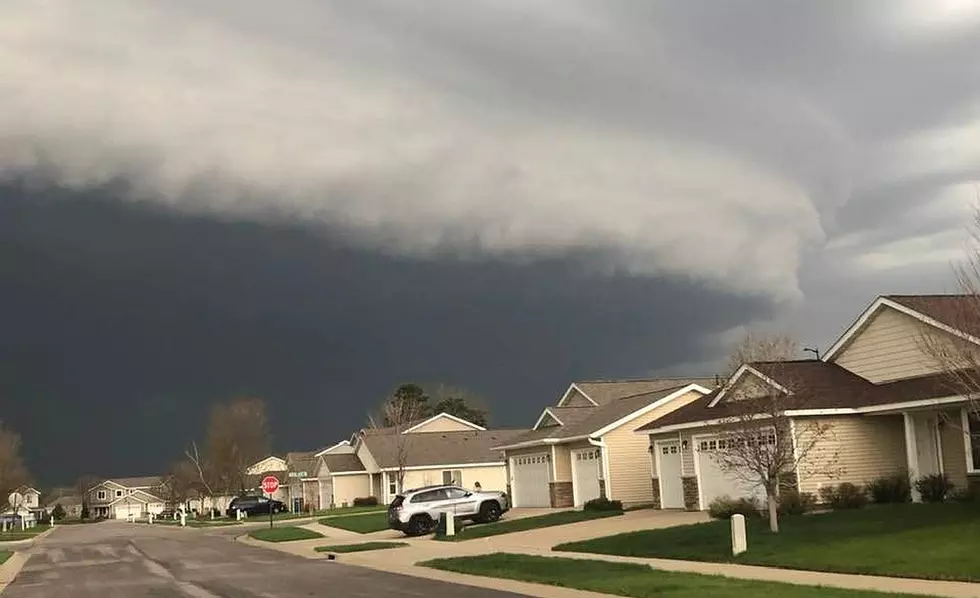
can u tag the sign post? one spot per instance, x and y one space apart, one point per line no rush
270 484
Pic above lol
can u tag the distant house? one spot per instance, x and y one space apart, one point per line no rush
120 498
27 505
338 459
443 449
269 466
302 484
70 501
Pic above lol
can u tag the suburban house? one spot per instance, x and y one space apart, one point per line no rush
120 498
584 447
29 498
271 465
69 501
885 402
23 504
337 459
441 449
302 487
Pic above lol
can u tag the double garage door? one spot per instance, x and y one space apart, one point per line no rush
123 511
531 476
713 482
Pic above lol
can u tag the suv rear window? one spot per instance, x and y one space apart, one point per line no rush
397 502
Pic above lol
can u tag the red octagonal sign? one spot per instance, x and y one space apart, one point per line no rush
270 484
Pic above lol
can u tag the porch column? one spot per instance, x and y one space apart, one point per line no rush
911 454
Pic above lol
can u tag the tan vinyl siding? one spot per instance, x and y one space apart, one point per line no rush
367 458
443 424
348 487
890 348
576 399
563 463
748 386
629 457
855 449
490 478
953 441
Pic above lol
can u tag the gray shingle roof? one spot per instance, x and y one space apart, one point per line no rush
604 391
138 482
299 462
343 462
618 401
438 448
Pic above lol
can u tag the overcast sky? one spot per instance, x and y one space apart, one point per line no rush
313 204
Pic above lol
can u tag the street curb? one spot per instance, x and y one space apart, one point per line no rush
10 569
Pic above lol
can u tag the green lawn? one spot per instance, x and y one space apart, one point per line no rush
508 526
627 579
4 555
344 511
17 534
912 540
362 524
284 534
363 547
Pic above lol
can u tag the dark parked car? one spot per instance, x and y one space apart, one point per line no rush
255 505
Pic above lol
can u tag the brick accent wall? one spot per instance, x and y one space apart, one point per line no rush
788 482
656 494
973 482
561 494
690 493
602 488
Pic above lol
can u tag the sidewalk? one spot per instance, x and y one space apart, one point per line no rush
539 542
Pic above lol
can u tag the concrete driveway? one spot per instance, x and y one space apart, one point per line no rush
120 560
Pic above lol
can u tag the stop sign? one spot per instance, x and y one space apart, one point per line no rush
270 484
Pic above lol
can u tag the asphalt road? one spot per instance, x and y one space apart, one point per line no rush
120 560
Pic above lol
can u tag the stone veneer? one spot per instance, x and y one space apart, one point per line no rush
602 488
690 493
656 494
973 482
789 482
561 494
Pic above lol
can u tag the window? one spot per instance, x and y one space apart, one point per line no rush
973 422
101 495
455 493
118 493
392 487
452 477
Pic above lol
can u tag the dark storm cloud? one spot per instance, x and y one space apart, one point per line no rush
122 323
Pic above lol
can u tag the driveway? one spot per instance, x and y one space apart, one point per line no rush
120 560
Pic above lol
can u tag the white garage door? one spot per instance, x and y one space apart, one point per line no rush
585 475
123 511
531 476
714 482
669 473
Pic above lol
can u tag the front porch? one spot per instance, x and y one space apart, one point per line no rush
942 441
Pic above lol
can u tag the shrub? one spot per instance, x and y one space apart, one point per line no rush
58 512
965 495
366 501
794 502
603 504
85 513
934 488
844 496
890 489
724 507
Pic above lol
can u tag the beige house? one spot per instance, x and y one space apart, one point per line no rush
302 486
885 403
584 447
443 449
121 498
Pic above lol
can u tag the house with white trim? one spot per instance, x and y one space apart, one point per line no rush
886 403
584 447
120 498
442 449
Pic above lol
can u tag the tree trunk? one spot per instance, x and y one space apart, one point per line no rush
773 502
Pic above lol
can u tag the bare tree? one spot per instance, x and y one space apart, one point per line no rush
461 403
397 414
13 472
959 359
760 445
237 436
83 484
190 476
754 347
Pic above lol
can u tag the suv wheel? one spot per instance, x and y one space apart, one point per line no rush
489 511
419 525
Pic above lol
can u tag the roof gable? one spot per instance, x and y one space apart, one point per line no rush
947 313
443 422
747 379
547 419
575 397
270 463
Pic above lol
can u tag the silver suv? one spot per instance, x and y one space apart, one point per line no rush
416 512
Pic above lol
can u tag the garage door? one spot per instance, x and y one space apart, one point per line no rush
531 476
669 474
585 475
123 511
714 482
